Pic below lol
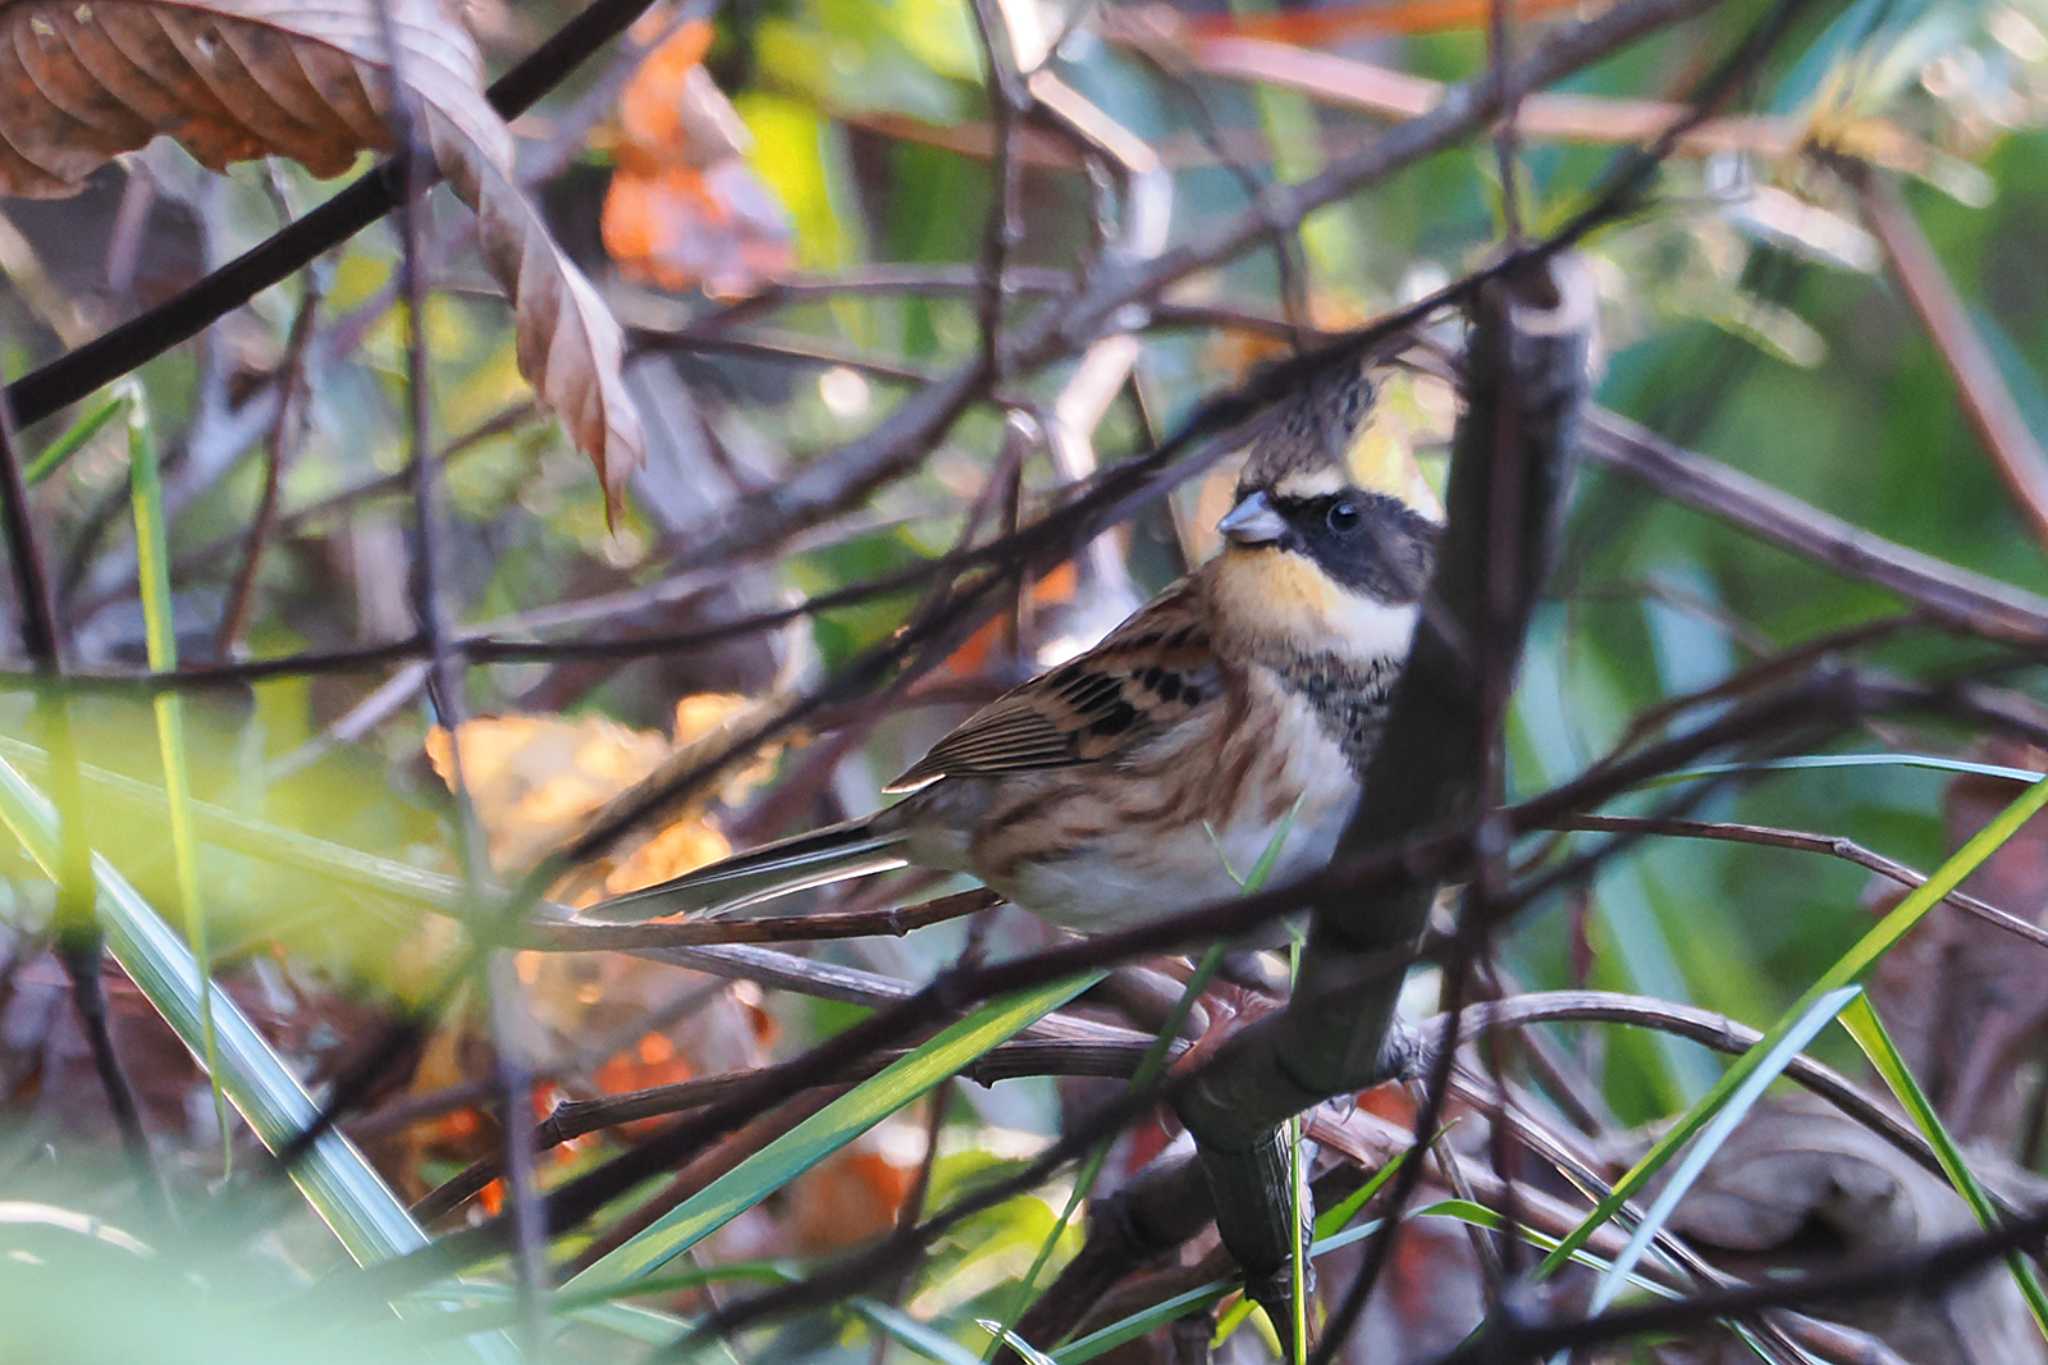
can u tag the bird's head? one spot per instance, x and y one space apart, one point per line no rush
1310 557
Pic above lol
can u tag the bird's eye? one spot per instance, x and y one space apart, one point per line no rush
1343 517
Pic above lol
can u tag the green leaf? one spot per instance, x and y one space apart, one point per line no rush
1862 1024
1846 971
153 561
826 1131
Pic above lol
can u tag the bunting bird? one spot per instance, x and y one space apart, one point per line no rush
1142 777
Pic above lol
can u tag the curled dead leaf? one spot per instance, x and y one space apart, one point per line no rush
84 80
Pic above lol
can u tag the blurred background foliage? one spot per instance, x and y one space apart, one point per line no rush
1748 314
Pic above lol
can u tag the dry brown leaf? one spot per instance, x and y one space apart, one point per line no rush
84 80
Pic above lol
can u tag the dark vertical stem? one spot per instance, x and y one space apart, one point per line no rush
445 674
1009 101
1506 138
78 932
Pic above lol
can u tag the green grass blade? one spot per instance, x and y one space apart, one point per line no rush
1331 1223
1107 1338
826 1131
1154 1060
475 1307
342 1188
1862 1024
1846 971
153 560
1026 1352
1741 1099
1479 1216
1806 762
73 440
1148 1070
902 1328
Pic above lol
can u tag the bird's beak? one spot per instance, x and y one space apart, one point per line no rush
1255 521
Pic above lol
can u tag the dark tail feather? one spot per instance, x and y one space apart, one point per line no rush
835 853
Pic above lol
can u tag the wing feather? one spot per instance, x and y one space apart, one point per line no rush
1147 675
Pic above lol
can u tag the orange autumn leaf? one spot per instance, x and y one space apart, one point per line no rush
973 656
684 208
653 126
854 1195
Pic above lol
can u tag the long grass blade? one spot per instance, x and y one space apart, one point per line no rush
1817 762
342 1188
52 456
153 559
1862 1024
1846 971
1107 1338
826 1131
905 1330
1716 1132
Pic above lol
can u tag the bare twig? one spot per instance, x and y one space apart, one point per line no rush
1009 103
234 617
1982 606
1506 137
446 688
1833 845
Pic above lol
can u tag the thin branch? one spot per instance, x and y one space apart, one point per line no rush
1463 109
1009 102
1835 846
1983 606
284 431
1955 597
1506 135
894 921
1927 1270
506 419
